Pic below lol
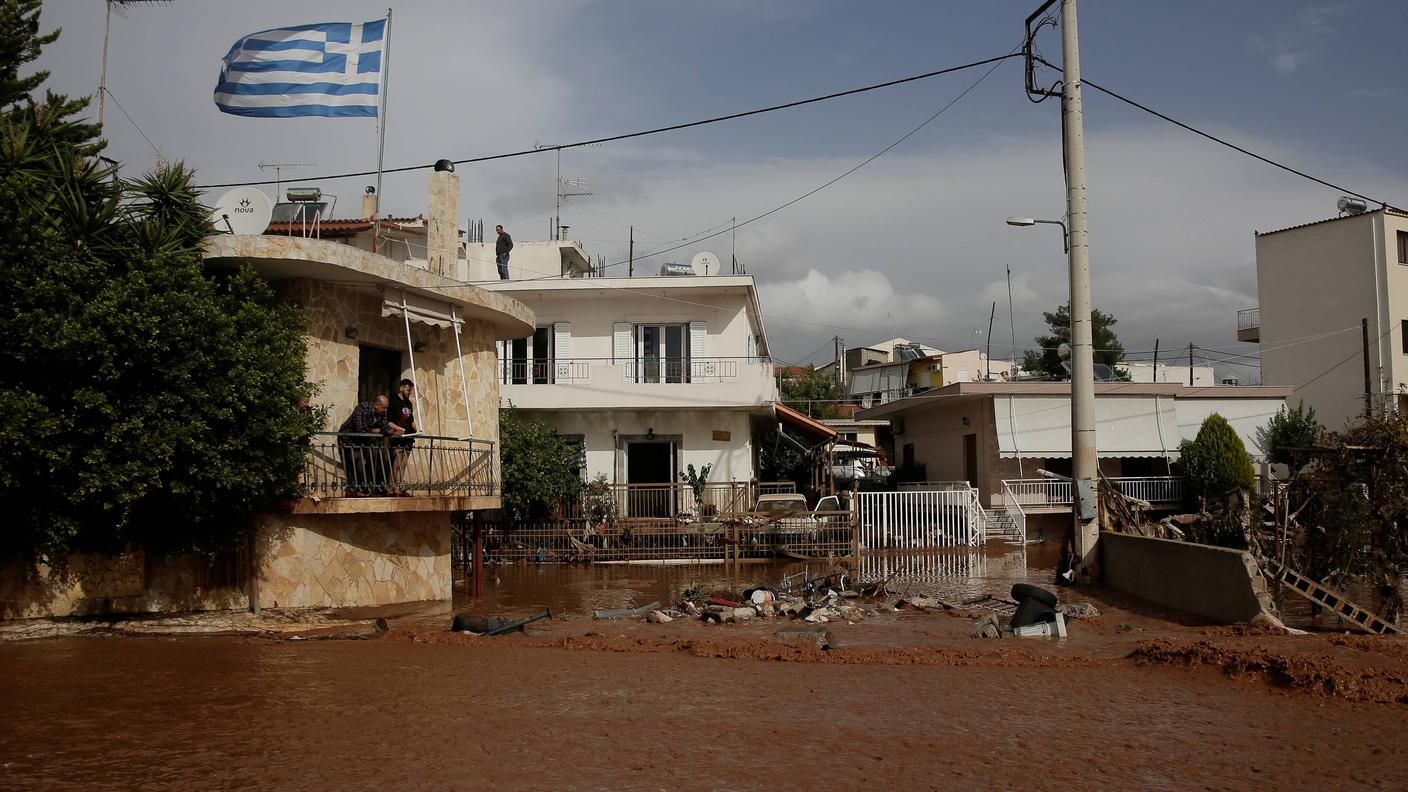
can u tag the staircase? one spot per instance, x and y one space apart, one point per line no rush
1000 525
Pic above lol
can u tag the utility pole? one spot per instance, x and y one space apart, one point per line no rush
1190 364
631 256
1368 380
1084 465
991 316
1156 360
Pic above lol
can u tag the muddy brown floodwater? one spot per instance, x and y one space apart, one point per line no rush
1135 699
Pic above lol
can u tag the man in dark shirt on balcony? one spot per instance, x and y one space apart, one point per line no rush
401 416
502 246
364 459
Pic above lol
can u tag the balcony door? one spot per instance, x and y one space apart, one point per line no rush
530 359
662 353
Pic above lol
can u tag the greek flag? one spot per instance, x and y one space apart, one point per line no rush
328 69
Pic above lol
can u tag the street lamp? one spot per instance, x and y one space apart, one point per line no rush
1023 222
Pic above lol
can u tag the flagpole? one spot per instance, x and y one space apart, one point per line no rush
381 125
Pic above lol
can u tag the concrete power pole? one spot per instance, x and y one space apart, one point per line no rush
1084 465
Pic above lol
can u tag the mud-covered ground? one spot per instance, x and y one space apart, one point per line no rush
1136 698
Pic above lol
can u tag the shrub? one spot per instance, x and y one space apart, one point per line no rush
1215 463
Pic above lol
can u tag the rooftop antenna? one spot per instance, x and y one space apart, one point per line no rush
562 185
277 168
121 7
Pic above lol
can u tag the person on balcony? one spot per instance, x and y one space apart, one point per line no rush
401 416
502 246
364 459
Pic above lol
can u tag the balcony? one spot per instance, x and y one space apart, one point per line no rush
1054 495
655 383
1249 325
358 473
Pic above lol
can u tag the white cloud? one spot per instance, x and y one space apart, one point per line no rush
1296 40
854 302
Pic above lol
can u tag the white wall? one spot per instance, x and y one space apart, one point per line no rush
1143 371
692 430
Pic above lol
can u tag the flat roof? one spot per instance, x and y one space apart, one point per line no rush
1384 209
974 390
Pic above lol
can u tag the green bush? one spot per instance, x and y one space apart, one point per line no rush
1215 463
537 467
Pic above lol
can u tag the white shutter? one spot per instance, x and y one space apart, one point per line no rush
502 348
752 348
699 351
622 349
562 351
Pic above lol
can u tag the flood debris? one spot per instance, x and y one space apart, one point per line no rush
626 613
1037 615
478 625
816 635
658 617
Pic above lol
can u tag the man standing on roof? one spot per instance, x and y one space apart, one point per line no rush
501 249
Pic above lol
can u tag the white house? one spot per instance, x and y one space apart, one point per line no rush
648 374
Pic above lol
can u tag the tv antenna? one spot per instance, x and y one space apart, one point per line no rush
277 168
120 6
563 185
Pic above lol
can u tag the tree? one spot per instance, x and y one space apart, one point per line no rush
1291 428
147 403
809 391
1215 463
537 467
1047 361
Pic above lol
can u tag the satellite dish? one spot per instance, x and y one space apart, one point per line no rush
1064 351
243 210
705 264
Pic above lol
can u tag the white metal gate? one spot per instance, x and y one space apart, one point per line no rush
919 519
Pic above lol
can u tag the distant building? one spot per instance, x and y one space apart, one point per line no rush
1315 282
1146 371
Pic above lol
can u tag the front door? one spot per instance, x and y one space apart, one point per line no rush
650 467
970 459
378 372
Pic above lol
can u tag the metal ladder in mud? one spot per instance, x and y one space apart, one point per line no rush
1328 598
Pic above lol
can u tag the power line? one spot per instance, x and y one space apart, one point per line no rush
654 131
733 226
134 125
1228 144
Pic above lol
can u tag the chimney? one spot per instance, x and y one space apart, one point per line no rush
442 225
369 203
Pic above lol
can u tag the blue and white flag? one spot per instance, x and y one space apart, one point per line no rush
328 69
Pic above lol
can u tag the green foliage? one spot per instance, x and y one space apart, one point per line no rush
599 502
147 403
1045 359
20 44
778 461
1291 428
1352 507
537 467
809 392
1215 463
696 480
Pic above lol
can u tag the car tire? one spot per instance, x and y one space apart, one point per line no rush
1021 591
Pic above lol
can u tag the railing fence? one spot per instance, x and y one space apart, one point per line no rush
919 519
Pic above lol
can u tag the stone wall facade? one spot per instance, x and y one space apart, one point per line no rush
304 561
333 360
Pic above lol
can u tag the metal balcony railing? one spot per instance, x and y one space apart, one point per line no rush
681 370
1248 318
357 465
543 371
1039 493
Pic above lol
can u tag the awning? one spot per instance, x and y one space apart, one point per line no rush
424 310
1040 427
809 429
1246 416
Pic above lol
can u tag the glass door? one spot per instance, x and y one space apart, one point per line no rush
662 353
648 353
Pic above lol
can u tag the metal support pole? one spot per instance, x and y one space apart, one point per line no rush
1368 378
1190 365
103 80
1084 465
478 566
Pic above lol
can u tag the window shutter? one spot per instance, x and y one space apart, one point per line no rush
699 350
752 348
502 350
562 351
622 348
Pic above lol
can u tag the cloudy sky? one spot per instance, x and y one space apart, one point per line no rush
917 236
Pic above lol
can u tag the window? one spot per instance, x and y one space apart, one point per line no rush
1403 247
662 353
529 360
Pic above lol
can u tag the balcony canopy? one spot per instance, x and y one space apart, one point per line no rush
1040 427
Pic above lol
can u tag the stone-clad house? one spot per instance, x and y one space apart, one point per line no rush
372 320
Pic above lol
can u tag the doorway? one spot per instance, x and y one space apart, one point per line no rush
650 468
378 372
970 459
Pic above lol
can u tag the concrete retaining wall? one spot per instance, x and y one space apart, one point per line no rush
1213 582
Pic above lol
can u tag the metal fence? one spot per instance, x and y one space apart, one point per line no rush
543 371
1039 493
342 465
919 519
823 535
668 501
